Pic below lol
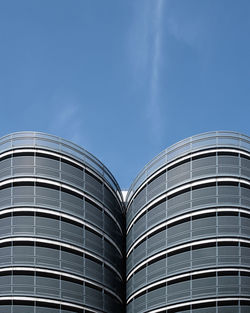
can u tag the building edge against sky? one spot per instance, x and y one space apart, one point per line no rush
62 227
188 228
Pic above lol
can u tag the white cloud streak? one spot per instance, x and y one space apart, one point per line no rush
154 109
65 118
184 31
145 46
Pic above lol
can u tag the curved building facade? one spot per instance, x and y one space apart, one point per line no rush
188 228
61 229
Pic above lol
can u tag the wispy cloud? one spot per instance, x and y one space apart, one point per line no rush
138 41
154 109
66 120
145 51
183 30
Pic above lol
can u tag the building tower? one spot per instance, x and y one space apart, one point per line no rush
61 228
188 228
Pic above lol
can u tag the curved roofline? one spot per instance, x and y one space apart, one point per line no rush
55 143
185 146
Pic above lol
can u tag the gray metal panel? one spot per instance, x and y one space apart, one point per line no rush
67 256
176 237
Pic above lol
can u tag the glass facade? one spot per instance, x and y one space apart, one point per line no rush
61 229
65 248
188 229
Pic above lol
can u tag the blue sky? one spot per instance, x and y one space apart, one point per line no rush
124 78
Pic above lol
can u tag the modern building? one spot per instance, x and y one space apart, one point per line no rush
61 229
63 233
188 228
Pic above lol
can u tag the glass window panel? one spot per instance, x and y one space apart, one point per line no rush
48 252
157 241
245 221
72 199
93 296
228 250
245 192
206 191
5 308
228 190
74 228
205 171
228 160
139 200
25 190
73 258
23 170
245 162
23 278
93 241
179 199
47 172
47 162
95 215
157 185
139 252
71 169
5 279
5 173
23 219
228 220
139 278
23 160
178 257
140 303
46 281
23 249
47 310
5 163
156 214
156 270
156 297
5 224
204 161
228 309
179 170
22 308
179 231
48 221
203 256
5 192
202 282
47 192
228 280
94 269
92 184
139 226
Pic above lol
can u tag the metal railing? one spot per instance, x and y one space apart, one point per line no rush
54 143
191 144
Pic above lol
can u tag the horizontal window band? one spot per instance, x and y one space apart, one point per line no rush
184 158
189 274
48 301
59 273
195 302
64 157
183 246
64 215
183 217
175 190
59 185
59 244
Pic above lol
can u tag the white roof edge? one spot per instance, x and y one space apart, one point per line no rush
124 195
